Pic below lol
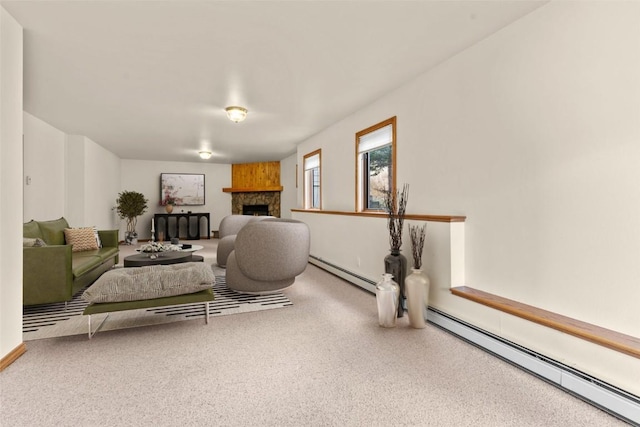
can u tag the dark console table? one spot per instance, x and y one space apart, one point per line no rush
162 223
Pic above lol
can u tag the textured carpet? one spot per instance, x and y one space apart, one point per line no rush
324 361
53 320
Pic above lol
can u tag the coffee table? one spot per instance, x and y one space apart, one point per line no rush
193 248
163 258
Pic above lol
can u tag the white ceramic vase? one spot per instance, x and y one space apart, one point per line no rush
387 293
416 287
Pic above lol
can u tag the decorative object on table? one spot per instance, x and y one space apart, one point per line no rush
417 283
395 204
130 205
154 248
387 292
168 203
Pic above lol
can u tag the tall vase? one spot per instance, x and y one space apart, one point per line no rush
417 290
396 264
387 292
168 208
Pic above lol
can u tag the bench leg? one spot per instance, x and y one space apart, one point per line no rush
91 334
206 312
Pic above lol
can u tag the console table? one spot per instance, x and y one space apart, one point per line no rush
162 223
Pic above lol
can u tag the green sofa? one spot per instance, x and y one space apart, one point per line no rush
53 272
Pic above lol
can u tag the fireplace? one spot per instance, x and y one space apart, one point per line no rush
241 202
256 210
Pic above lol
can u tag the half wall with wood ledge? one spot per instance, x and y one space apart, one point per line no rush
353 246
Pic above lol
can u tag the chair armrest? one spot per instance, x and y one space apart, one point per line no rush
47 275
109 238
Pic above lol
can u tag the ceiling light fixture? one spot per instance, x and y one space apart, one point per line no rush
205 154
236 114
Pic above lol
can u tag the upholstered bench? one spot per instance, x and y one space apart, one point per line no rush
146 287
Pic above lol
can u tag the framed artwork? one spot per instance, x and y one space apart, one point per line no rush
182 189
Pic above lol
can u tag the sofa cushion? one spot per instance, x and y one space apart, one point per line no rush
102 253
35 242
154 281
82 262
81 239
31 229
53 231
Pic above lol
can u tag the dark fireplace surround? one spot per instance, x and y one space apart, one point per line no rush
242 202
256 210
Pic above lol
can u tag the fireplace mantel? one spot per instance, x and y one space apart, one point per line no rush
251 190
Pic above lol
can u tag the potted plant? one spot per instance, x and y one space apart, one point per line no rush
130 205
168 202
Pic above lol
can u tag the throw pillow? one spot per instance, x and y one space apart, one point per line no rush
81 239
53 231
36 242
31 229
98 241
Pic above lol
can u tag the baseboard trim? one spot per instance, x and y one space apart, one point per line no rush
613 400
12 356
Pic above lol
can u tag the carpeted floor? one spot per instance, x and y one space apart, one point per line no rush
323 361
56 320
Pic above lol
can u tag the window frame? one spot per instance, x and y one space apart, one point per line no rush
306 185
362 181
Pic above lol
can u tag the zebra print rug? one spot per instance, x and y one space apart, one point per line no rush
53 320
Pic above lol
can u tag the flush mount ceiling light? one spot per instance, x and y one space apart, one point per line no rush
236 114
205 154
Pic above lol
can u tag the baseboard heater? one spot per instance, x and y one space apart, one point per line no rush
607 397
349 276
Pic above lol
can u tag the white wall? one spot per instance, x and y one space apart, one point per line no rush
144 176
10 183
71 176
92 182
533 134
102 169
75 187
44 163
289 195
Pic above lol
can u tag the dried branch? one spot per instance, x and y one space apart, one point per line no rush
417 235
395 204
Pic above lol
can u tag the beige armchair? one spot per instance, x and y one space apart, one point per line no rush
268 255
229 227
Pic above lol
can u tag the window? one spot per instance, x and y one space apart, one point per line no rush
311 181
375 164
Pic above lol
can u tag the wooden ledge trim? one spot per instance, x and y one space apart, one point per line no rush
12 356
605 337
251 189
431 218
